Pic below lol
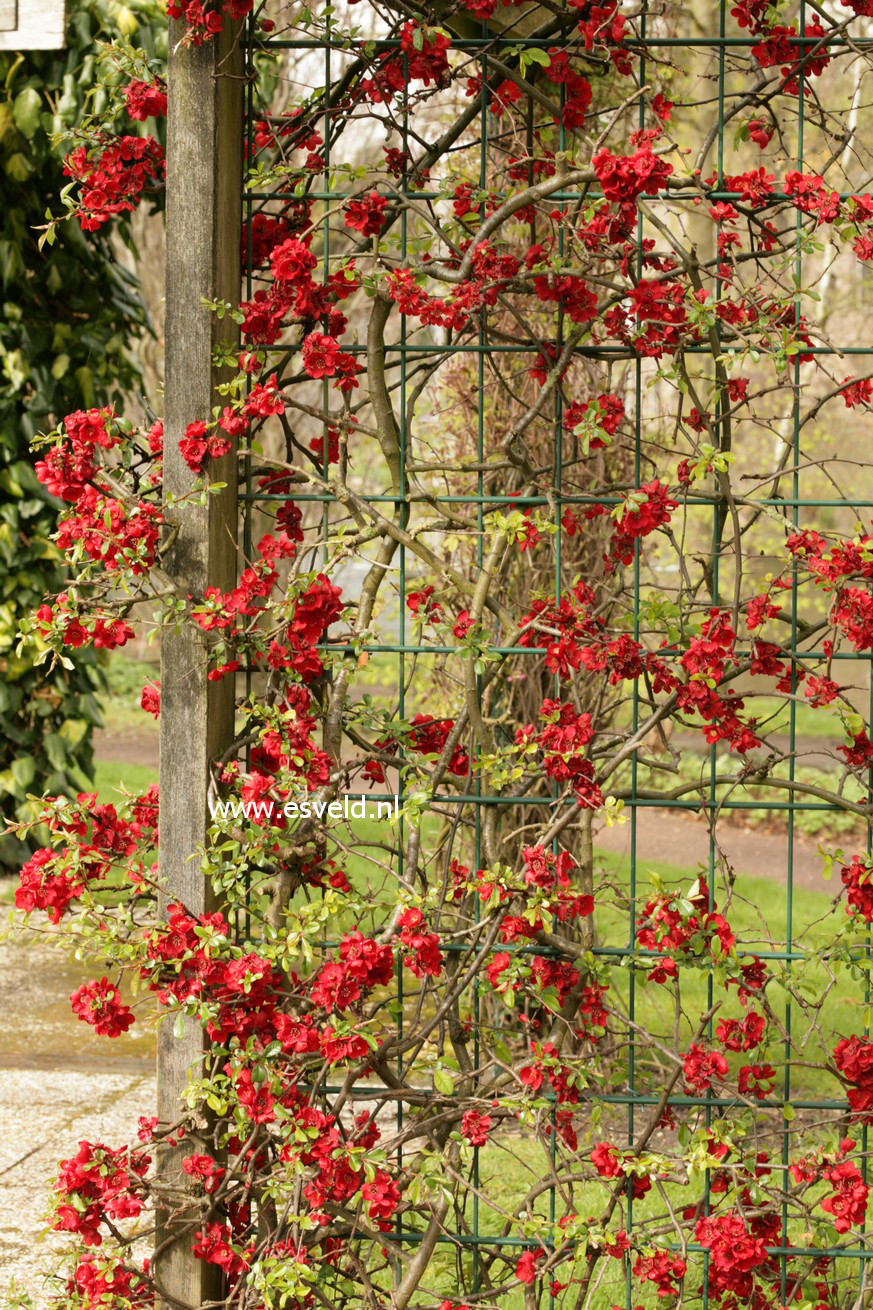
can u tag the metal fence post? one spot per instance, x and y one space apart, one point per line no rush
204 180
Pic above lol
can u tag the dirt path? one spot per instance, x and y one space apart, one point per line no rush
130 746
675 839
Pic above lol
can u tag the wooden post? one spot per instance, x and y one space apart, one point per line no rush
204 184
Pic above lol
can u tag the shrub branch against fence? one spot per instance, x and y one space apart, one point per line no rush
549 412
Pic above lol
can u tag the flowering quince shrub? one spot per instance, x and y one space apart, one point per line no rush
552 535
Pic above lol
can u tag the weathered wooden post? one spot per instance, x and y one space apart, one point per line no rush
204 184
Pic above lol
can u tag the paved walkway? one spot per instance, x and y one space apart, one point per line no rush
59 1084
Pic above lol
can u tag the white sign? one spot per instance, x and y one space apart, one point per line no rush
32 24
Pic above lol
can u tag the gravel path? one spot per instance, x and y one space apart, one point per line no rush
59 1084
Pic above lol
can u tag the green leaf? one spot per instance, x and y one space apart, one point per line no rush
24 771
443 1082
26 110
18 167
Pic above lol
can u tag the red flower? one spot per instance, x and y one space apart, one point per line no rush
623 178
858 392
367 215
858 880
606 1161
526 1267
737 1035
150 698
112 175
475 1127
848 1204
335 987
424 958
662 1269
204 1168
194 445
264 399
853 1057
423 606
702 1066
756 1080
292 261
462 625
320 354
734 1252
47 885
97 1184
256 1099
382 1195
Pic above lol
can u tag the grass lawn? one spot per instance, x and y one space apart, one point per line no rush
110 776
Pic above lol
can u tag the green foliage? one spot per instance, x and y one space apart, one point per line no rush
69 314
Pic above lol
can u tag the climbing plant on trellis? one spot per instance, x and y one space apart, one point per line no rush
551 439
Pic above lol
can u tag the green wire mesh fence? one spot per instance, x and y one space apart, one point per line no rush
439 380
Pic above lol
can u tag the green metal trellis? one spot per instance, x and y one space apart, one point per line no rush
720 48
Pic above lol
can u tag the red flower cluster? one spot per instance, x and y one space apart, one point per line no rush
428 736
367 215
624 177
662 1269
857 878
99 1004
105 1282
701 1067
146 100
96 1185
424 957
198 443
112 176
853 1057
95 838
104 633
848 1203
563 742
110 533
191 960
668 927
69 465
49 882
322 358
734 1253
204 21
363 965
741 1034
595 421
647 509
422 57
475 1127
150 699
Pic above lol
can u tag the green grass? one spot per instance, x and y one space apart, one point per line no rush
773 715
758 911
125 679
112 775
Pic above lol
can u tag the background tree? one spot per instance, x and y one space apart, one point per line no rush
72 317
